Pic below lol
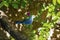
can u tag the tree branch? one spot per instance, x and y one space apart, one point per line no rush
5 25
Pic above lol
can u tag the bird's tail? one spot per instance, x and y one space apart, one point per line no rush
18 22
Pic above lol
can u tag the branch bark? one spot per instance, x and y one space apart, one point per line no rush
5 25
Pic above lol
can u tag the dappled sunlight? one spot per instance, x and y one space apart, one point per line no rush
30 20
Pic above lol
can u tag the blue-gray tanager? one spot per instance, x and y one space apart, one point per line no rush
26 21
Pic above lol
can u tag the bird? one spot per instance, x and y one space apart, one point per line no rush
26 21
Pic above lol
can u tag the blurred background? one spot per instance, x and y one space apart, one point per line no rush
45 26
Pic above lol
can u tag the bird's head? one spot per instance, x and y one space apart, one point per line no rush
33 16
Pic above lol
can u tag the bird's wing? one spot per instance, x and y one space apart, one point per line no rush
19 22
27 21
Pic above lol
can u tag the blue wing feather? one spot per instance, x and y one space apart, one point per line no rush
27 21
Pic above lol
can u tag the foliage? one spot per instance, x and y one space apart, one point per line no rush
48 21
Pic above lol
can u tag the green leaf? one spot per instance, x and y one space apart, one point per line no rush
19 0
58 13
23 4
48 15
15 5
54 2
54 17
51 8
58 1
1 4
9 1
6 3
